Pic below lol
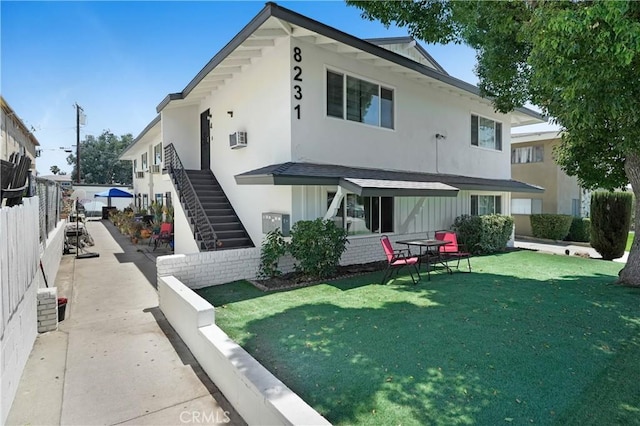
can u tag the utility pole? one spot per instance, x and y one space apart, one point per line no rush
78 109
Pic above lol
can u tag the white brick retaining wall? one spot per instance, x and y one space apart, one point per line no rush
205 269
257 395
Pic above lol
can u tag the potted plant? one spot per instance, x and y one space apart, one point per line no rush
62 307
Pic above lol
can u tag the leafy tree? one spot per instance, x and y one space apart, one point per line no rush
578 61
55 170
99 159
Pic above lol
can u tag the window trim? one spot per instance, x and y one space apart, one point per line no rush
325 199
530 206
533 148
471 115
154 154
378 83
502 202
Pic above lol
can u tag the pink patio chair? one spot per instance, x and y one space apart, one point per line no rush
453 250
398 259
164 236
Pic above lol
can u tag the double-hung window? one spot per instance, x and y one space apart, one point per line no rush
527 154
364 215
486 133
486 204
358 100
143 162
157 154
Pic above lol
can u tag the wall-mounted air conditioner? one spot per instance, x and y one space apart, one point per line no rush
139 175
155 168
238 140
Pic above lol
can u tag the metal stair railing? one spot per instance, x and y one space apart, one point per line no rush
191 201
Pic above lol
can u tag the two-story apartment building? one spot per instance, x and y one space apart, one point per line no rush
298 118
532 161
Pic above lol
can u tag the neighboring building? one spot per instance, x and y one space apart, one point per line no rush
64 180
297 118
16 137
532 161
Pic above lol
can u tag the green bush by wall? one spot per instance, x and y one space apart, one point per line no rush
317 246
550 226
610 220
483 234
580 230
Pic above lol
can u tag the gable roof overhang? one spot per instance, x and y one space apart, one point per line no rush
377 181
127 153
274 22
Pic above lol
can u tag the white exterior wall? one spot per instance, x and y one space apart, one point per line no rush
181 127
411 214
183 240
259 99
420 112
151 183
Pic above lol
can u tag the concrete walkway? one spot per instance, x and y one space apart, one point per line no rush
561 247
115 359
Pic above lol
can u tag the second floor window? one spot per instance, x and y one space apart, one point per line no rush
143 162
363 101
527 154
486 133
157 154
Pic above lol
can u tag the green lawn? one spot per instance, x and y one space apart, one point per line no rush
629 241
526 338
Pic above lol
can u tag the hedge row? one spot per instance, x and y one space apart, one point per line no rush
550 226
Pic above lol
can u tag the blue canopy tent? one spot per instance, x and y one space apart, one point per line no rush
113 193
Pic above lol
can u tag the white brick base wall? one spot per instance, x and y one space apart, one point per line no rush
219 267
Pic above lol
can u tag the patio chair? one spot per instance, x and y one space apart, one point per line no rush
398 259
15 178
163 236
453 250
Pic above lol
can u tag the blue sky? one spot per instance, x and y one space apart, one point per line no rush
119 59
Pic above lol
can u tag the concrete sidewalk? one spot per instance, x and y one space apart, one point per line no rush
115 359
561 247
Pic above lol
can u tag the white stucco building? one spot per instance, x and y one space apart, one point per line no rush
374 134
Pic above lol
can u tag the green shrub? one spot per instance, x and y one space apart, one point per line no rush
483 234
580 230
610 220
317 247
550 226
273 248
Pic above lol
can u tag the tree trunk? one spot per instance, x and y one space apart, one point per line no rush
630 275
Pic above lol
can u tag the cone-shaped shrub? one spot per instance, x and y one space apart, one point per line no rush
610 220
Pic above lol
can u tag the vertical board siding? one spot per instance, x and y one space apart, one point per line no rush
19 253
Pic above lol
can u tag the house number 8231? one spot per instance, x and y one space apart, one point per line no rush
297 80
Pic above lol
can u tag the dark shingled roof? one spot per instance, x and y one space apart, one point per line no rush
294 173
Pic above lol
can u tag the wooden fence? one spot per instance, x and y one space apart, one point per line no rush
19 254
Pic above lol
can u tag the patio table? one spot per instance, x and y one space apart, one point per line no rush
431 255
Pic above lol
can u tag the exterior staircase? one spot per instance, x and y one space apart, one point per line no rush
214 222
228 229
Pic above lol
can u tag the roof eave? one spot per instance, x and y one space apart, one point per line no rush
150 126
236 41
